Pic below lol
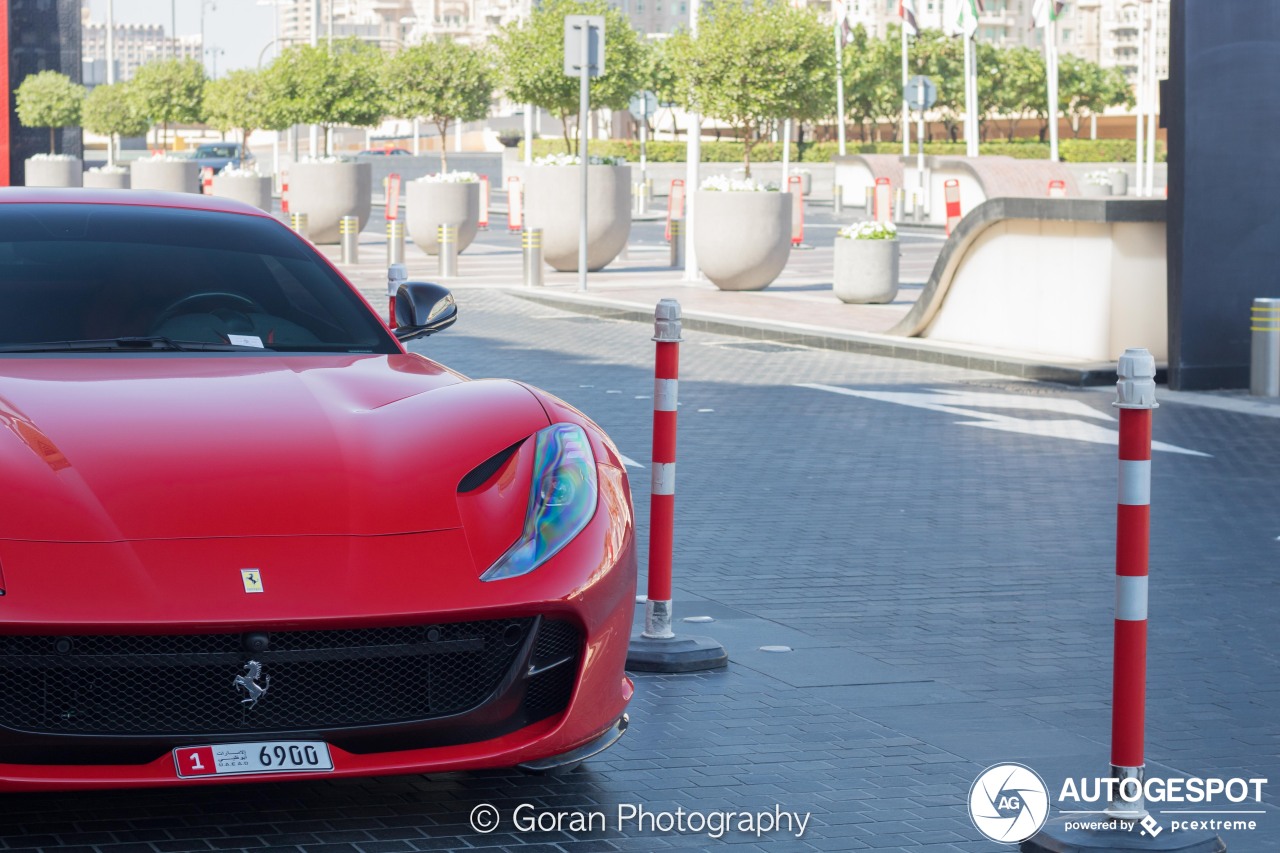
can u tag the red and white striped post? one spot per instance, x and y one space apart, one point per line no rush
675 205
794 183
1057 189
483 225
951 190
515 204
397 274
1135 398
206 180
657 648
662 495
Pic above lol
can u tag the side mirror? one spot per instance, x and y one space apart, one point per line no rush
423 308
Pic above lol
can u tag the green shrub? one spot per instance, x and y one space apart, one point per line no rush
725 151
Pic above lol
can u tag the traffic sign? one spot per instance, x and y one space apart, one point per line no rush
643 104
912 93
573 59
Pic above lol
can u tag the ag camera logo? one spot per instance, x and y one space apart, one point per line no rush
1008 803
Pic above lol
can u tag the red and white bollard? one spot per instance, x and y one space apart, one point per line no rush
794 183
675 205
483 224
515 204
1057 189
951 191
284 193
1135 398
206 180
662 495
657 648
397 274
883 200
1129 827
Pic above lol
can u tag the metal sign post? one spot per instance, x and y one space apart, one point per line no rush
646 104
921 95
583 58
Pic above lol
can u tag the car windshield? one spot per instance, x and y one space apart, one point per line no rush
216 151
125 277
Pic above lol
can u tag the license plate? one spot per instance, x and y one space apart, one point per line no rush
277 756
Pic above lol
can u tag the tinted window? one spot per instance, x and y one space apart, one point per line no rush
87 271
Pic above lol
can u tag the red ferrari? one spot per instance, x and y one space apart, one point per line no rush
246 536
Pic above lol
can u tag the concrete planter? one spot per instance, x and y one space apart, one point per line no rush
250 189
107 180
1095 190
551 202
865 270
326 192
55 173
430 204
743 239
1119 182
172 176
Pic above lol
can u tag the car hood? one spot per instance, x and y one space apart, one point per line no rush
128 447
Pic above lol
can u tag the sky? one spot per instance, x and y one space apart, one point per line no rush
241 28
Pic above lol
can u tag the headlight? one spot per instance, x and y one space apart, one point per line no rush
562 501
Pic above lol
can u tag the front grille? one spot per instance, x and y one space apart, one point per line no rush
131 684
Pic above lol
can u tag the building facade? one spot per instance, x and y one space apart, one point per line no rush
34 36
135 46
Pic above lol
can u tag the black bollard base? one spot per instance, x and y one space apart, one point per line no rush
1130 837
677 654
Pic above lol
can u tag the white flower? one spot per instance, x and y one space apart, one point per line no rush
109 170
59 157
726 184
869 231
1098 179
333 158
162 157
450 178
575 160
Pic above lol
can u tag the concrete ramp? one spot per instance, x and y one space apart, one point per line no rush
1076 280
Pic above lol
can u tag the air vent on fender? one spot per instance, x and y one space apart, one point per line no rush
480 474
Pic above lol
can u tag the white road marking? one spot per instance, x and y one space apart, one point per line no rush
952 402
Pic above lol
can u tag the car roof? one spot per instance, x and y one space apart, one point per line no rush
135 198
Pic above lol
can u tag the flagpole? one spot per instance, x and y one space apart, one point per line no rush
906 126
1153 107
1051 75
970 126
1141 158
839 29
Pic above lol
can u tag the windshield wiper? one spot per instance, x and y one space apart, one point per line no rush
127 344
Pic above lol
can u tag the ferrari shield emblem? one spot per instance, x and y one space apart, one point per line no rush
252 580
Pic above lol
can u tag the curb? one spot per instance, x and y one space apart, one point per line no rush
915 349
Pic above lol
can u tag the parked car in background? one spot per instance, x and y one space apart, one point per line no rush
219 155
385 152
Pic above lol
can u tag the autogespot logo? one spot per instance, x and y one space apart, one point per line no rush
1008 803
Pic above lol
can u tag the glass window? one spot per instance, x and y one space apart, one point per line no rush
94 272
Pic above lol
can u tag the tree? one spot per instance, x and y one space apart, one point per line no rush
49 99
660 73
941 58
113 111
747 66
1086 88
240 101
441 81
169 91
1020 88
531 56
329 85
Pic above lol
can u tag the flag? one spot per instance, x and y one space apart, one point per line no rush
907 12
967 19
1045 11
842 23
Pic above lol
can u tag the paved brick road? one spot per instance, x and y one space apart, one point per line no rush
946 590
